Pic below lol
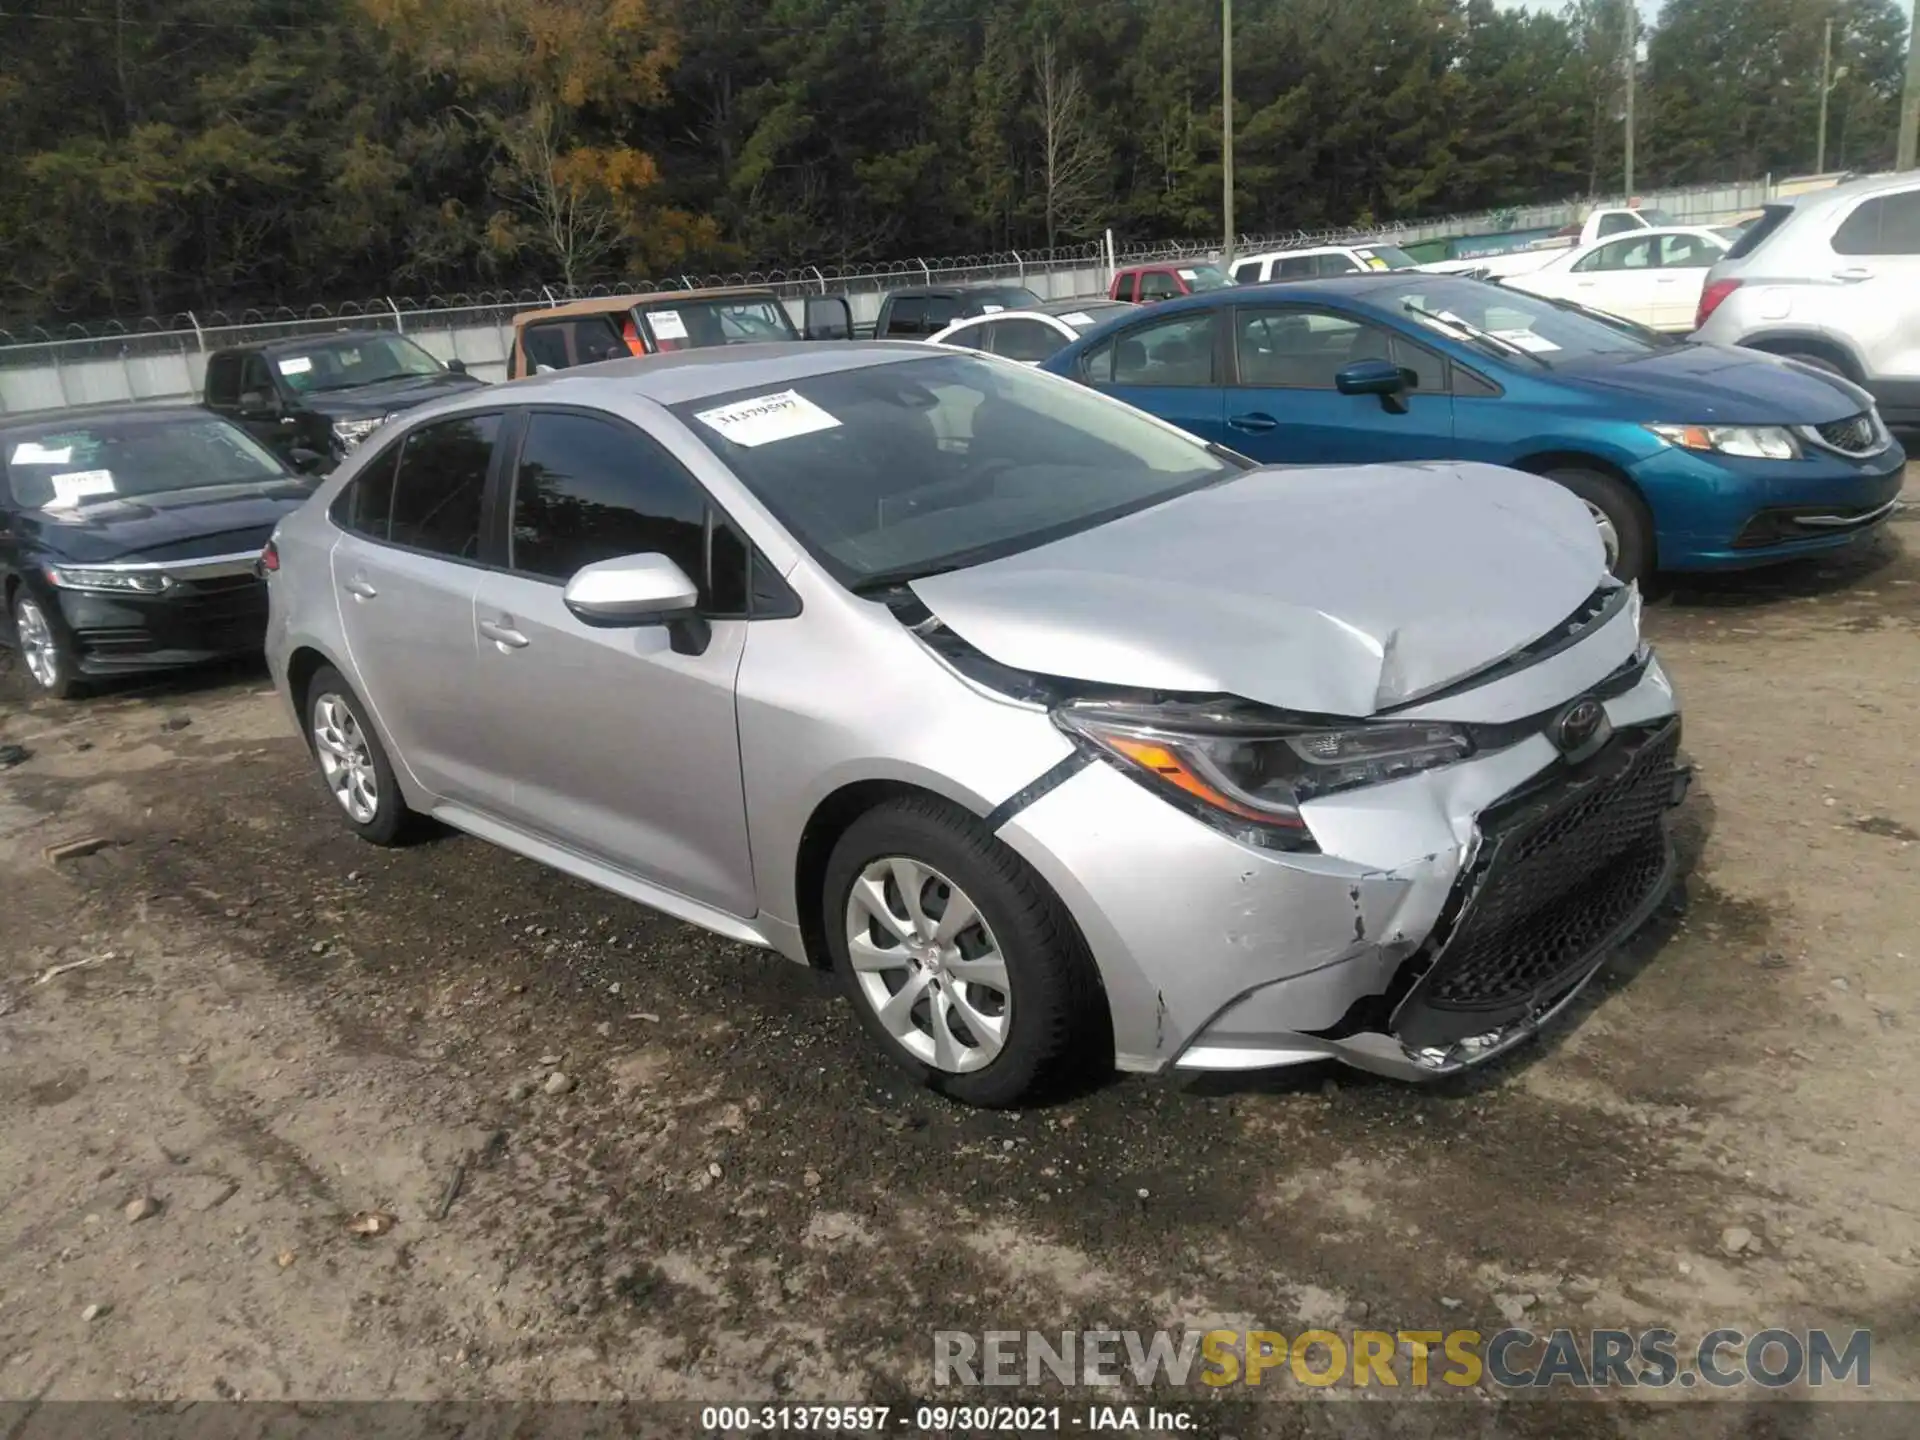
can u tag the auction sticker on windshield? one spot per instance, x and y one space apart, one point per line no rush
298 365
76 485
667 325
32 453
1077 319
766 418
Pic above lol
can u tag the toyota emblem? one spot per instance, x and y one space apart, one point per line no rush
1581 729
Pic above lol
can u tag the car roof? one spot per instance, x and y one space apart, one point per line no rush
681 375
1850 190
1340 249
307 342
108 415
1164 265
613 304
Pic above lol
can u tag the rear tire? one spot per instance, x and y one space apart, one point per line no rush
352 762
993 1010
1625 527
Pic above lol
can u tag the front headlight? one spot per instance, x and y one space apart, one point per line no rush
351 432
1751 442
116 582
1251 774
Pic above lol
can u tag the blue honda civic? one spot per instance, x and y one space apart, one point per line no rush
1690 456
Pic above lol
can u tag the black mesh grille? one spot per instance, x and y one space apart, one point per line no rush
1855 436
1558 875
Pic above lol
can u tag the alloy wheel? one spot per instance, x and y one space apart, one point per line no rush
37 645
346 760
1609 533
925 959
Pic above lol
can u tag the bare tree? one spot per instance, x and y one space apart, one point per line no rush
561 210
1074 160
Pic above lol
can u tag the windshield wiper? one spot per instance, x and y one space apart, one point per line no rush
1464 331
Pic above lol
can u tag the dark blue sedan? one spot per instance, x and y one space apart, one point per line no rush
1691 457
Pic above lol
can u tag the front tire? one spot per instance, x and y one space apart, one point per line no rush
959 959
1626 530
352 762
48 659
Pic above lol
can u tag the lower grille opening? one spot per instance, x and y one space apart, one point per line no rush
1563 869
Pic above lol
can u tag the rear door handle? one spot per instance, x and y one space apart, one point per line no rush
1853 272
502 633
1254 421
360 589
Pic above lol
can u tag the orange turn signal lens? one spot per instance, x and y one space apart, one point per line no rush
1176 772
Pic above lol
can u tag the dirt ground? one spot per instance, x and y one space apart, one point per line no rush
273 1027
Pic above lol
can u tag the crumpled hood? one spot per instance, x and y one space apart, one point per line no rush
1336 591
176 525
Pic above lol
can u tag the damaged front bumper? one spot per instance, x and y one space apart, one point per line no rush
1448 918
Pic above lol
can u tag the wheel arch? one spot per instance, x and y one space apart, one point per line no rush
1544 461
1788 342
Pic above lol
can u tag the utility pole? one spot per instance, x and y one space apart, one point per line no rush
1632 60
1226 130
1826 84
1910 101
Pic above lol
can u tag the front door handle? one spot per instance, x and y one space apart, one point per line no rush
1253 421
360 589
503 634
1853 272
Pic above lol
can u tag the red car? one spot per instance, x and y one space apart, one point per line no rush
1145 284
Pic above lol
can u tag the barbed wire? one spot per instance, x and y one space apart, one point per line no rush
791 280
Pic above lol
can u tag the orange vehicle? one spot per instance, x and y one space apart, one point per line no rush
612 327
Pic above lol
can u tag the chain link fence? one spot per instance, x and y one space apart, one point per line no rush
164 358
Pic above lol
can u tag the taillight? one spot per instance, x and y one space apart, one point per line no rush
270 559
1710 299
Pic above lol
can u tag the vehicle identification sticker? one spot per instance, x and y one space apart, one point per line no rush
32 453
298 365
1374 262
1525 340
991 309
766 418
1077 319
667 324
76 485
1186 275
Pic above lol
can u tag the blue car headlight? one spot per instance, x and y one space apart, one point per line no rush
1749 442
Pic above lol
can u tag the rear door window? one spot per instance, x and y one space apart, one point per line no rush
1127 288
441 484
1158 285
223 380
907 316
1247 272
1029 340
546 346
1884 225
1297 267
1179 351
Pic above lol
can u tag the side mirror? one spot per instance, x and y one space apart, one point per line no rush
828 317
634 590
457 366
308 462
1377 377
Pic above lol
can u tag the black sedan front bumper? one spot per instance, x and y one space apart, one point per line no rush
209 610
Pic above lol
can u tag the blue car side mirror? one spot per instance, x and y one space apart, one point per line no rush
1377 377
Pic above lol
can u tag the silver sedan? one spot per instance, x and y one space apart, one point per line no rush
1067 740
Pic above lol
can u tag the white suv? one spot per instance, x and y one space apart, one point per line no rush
1832 279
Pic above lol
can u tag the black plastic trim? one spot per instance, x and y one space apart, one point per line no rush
1052 780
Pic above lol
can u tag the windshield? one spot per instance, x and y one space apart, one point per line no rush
1385 257
1511 323
1204 277
894 471
1657 217
697 324
349 364
63 467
